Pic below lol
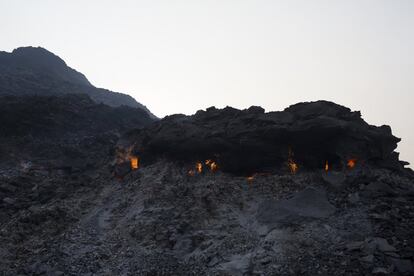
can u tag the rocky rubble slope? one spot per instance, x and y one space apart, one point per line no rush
160 219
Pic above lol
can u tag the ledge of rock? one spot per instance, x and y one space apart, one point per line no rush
247 141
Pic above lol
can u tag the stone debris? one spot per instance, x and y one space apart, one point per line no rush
77 212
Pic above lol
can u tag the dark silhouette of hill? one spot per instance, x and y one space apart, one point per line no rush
36 71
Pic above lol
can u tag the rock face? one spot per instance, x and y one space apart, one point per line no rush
70 114
67 131
62 211
36 71
248 141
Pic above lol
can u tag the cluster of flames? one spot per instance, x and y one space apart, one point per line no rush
294 167
199 166
126 155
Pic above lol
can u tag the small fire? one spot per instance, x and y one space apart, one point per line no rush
252 177
124 155
326 166
293 166
199 167
212 165
291 163
351 163
134 162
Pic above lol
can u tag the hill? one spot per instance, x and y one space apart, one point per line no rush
36 71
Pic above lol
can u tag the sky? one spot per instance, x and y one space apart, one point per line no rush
182 56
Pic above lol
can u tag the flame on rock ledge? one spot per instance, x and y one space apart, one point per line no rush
351 163
212 165
134 162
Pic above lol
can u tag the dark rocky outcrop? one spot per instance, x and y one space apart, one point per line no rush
62 212
67 131
246 141
70 114
36 71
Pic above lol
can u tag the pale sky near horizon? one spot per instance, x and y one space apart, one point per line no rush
181 56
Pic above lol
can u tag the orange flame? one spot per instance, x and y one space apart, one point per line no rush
293 166
213 166
199 167
326 166
291 163
124 155
250 178
134 162
351 163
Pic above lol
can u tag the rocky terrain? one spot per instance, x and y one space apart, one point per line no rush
312 190
52 131
36 71
248 141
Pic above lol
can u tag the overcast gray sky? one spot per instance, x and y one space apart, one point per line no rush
181 56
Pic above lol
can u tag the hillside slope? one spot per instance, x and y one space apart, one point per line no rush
62 131
63 211
36 71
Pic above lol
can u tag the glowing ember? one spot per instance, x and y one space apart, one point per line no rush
199 167
351 163
124 155
326 166
213 166
293 167
134 162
